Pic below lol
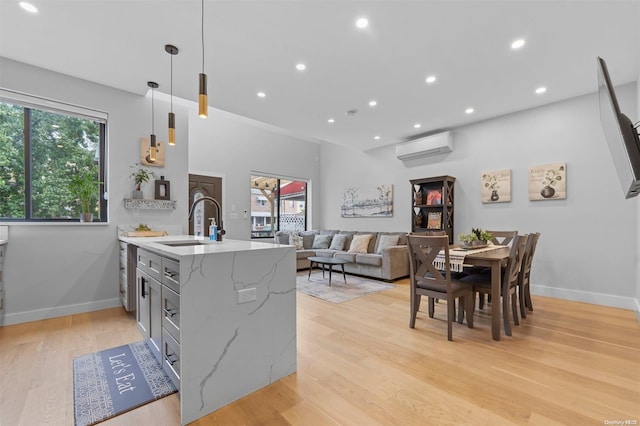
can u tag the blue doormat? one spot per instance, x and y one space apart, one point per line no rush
116 380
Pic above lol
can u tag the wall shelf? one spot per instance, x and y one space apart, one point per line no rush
138 203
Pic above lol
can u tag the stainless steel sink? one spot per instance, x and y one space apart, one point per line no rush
183 243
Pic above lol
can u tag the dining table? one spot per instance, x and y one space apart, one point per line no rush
494 259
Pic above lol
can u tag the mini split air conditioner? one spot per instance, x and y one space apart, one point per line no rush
430 145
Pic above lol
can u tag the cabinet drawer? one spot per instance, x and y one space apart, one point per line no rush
150 263
171 312
171 274
171 358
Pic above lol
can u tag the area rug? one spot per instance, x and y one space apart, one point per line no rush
317 286
116 380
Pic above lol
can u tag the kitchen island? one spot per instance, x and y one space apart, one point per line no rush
226 312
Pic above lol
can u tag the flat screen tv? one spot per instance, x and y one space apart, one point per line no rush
622 137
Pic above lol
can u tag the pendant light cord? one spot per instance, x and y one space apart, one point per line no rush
202 27
171 82
152 110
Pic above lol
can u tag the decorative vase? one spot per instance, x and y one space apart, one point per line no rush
479 243
547 192
86 217
137 194
494 195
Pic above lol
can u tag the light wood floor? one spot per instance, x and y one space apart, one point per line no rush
360 364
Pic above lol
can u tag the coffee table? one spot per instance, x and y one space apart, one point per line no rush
330 261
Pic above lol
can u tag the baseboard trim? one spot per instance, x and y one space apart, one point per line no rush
59 311
589 297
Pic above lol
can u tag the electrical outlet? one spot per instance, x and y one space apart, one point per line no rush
247 295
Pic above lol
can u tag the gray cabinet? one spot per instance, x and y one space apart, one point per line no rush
127 277
3 252
149 296
158 308
171 319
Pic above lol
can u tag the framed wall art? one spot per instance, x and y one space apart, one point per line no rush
367 202
145 158
496 186
548 182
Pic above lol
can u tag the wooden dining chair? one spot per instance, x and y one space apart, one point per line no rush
502 238
524 295
427 280
482 282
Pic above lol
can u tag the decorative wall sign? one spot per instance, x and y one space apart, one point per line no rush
548 182
367 202
496 186
145 159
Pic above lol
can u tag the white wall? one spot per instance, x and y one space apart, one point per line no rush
572 260
232 147
55 269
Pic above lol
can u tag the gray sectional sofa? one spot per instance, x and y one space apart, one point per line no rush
384 256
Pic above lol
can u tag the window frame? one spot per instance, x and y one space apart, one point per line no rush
29 103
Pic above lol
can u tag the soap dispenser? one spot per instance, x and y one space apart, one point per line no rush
213 229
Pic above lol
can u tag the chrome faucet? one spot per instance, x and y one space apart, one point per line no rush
221 231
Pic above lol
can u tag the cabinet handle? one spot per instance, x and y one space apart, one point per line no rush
169 274
168 312
168 359
142 281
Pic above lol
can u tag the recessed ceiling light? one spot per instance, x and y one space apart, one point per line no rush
469 111
541 90
261 94
376 137
430 79
373 103
517 44
362 23
28 7
301 67
331 120
417 125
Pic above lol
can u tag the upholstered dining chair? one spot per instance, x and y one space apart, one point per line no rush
482 282
427 280
524 294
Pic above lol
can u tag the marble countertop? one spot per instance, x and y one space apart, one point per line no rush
205 246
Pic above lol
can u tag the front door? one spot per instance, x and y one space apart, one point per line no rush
200 186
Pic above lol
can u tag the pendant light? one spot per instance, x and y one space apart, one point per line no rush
152 146
202 93
171 50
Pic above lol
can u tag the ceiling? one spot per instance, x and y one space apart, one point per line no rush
253 46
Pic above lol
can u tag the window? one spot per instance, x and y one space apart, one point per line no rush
277 204
43 146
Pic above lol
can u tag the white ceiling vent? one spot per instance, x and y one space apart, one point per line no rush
430 145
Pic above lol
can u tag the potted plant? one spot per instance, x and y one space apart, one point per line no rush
140 175
482 236
84 186
468 239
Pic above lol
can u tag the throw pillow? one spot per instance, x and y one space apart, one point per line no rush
296 240
307 238
359 243
387 241
337 243
321 241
